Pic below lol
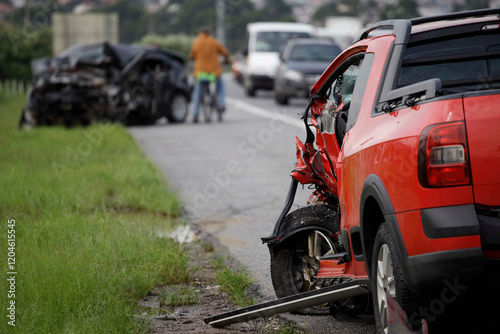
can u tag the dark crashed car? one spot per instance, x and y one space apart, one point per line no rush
302 62
107 82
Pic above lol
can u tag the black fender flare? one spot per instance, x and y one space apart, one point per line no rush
374 188
292 226
287 235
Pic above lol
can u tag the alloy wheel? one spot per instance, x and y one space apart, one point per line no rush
386 283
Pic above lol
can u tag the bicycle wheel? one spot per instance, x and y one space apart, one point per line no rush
205 104
217 109
219 115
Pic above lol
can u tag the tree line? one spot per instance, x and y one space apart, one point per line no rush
26 33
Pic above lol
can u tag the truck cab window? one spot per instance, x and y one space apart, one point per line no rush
339 97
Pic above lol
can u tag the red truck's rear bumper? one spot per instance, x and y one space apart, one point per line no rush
447 244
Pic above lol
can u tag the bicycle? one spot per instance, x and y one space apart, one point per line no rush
209 103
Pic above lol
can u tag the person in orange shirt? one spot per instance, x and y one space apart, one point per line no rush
205 52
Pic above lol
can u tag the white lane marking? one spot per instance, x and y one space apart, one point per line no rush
264 113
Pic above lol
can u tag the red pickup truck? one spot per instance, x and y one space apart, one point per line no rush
405 163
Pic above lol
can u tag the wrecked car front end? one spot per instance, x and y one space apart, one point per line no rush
104 82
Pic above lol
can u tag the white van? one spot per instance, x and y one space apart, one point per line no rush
265 40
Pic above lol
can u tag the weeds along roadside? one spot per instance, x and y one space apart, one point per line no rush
89 210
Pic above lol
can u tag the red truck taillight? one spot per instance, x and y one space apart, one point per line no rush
443 156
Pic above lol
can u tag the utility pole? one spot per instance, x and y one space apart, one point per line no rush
27 13
220 32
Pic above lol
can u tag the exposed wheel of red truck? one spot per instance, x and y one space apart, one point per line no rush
387 278
296 260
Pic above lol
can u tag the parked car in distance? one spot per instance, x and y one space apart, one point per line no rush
301 64
265 40
238 65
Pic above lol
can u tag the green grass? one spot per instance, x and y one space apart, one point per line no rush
87 207
178 295
234 282
289 329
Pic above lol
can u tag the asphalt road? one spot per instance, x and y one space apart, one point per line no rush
233 179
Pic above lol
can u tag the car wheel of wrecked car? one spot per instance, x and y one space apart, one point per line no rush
296 260
249 88
280 96
387 279
178 109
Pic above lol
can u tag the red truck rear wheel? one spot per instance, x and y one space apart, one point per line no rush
387 278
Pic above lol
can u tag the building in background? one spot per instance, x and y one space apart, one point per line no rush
341 29
72 29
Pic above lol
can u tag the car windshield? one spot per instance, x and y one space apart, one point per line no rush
313 53
274 41
462 63
87 52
